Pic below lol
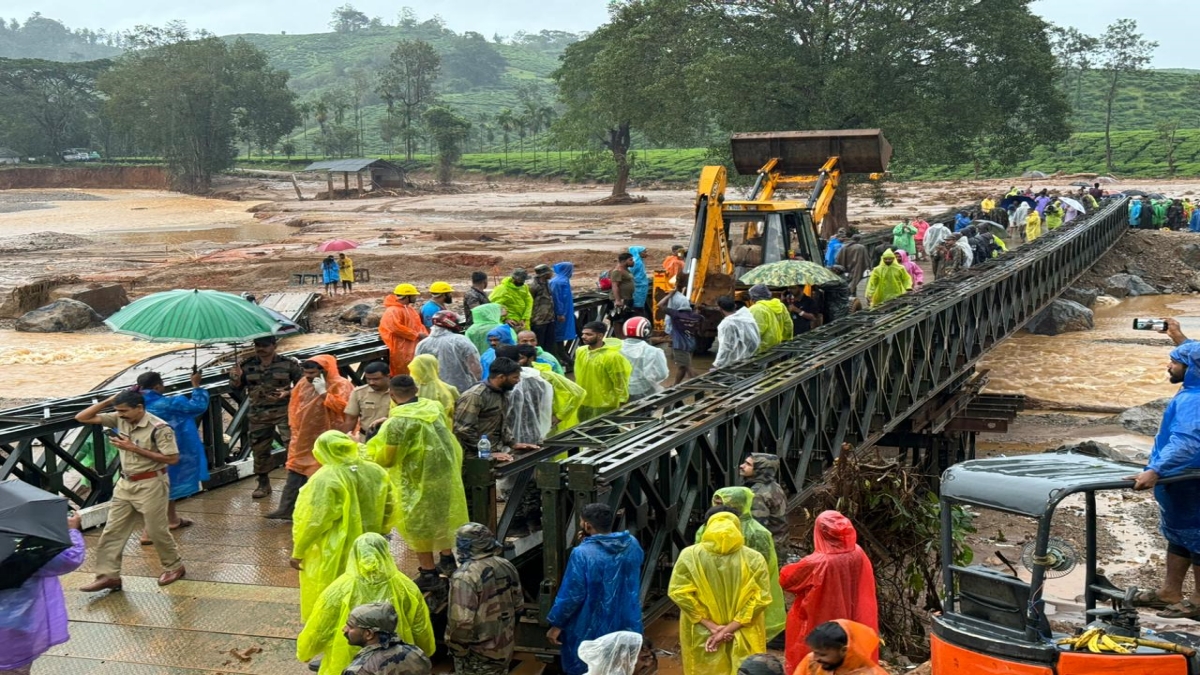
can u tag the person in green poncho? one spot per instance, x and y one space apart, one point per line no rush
759 539
424 462
904 237
888 280
483 319
346 497
514 295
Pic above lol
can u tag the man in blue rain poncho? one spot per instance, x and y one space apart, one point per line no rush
760 539
180 412
641 279
564 305
1135 212
371 576
1177 449
424 462
343 499
500 335
600 591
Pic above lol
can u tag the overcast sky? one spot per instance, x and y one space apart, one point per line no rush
1166 21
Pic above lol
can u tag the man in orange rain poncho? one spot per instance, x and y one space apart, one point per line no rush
836 581
841 647
720 587
370 576
401 327
346 497
318 404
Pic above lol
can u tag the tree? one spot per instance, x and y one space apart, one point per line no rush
347 19
632 74
1167 132
508 124
408 81
305 110
449 132
1075 53
58 100
187 99
1123 52
475 60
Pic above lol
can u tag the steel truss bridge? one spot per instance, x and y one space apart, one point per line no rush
902 376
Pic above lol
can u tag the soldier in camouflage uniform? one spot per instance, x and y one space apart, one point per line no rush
485 598
769 508
266 379
373 627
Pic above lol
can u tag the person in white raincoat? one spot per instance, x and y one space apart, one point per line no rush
737 334
649 362
529 407
458 360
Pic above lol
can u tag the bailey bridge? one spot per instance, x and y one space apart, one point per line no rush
902 376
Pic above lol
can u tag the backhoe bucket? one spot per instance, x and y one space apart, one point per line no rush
805 152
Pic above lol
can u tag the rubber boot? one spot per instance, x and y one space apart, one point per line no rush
287 499
264 487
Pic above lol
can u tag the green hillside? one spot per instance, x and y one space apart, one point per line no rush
1145 99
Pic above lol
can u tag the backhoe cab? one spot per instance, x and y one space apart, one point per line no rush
731 237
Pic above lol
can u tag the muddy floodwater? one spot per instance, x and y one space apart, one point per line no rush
1112 365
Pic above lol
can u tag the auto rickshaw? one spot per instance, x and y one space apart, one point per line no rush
993 621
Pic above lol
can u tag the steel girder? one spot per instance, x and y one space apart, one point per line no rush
658 461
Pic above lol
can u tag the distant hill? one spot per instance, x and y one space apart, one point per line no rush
1146 98
42 38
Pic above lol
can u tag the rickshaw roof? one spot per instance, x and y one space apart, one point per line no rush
1032 485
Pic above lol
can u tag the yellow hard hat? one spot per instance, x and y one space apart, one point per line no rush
441 287
406 289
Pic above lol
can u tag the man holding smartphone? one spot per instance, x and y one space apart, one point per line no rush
147 447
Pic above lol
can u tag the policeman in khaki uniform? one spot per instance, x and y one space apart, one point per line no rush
147 446
371 402
266 378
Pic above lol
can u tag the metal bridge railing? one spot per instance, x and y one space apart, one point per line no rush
853 381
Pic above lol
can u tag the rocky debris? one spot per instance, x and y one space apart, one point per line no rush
1105 301
1136 270
1193 282
1093 449
355 313
373 317
105 299
41 241
1190 254
1143 419
1061 316
1084 296
58 316
1127 285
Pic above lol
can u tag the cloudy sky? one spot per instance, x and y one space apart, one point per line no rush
1159 20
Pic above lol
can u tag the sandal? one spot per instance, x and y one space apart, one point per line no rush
1149 598
183 522
1184 609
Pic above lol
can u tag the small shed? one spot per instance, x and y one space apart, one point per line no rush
8 156
380 173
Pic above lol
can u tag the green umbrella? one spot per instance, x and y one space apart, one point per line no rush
199 317
789 273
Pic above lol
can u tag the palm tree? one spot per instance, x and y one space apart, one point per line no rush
546 115
508 123
305 110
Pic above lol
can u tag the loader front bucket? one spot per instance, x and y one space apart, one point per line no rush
805 152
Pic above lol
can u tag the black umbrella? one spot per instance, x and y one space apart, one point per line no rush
1009 201
33 529
1134 193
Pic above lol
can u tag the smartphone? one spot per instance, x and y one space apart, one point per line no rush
1150 324
112 433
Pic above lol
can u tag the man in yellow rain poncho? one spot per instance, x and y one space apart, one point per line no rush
759 539
888 280
371 576
344 498
424 462
720 586
1033 226
424 371
568 396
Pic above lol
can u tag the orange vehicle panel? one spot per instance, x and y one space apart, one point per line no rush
948 659
1080 663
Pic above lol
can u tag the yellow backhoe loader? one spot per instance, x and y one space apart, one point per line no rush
731 237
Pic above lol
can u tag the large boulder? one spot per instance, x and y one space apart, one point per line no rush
58 316
373 317
1094 449
355 313
1084 296
1190 254
106 299
1127 285
1061 316
1143 419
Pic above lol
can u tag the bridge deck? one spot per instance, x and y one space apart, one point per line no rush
239 594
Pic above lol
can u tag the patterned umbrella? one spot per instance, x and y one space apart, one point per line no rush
789 273
337 245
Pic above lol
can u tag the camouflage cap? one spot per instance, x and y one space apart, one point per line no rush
474 539
760 664
378 616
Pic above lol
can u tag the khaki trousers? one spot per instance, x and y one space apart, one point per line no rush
147 499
